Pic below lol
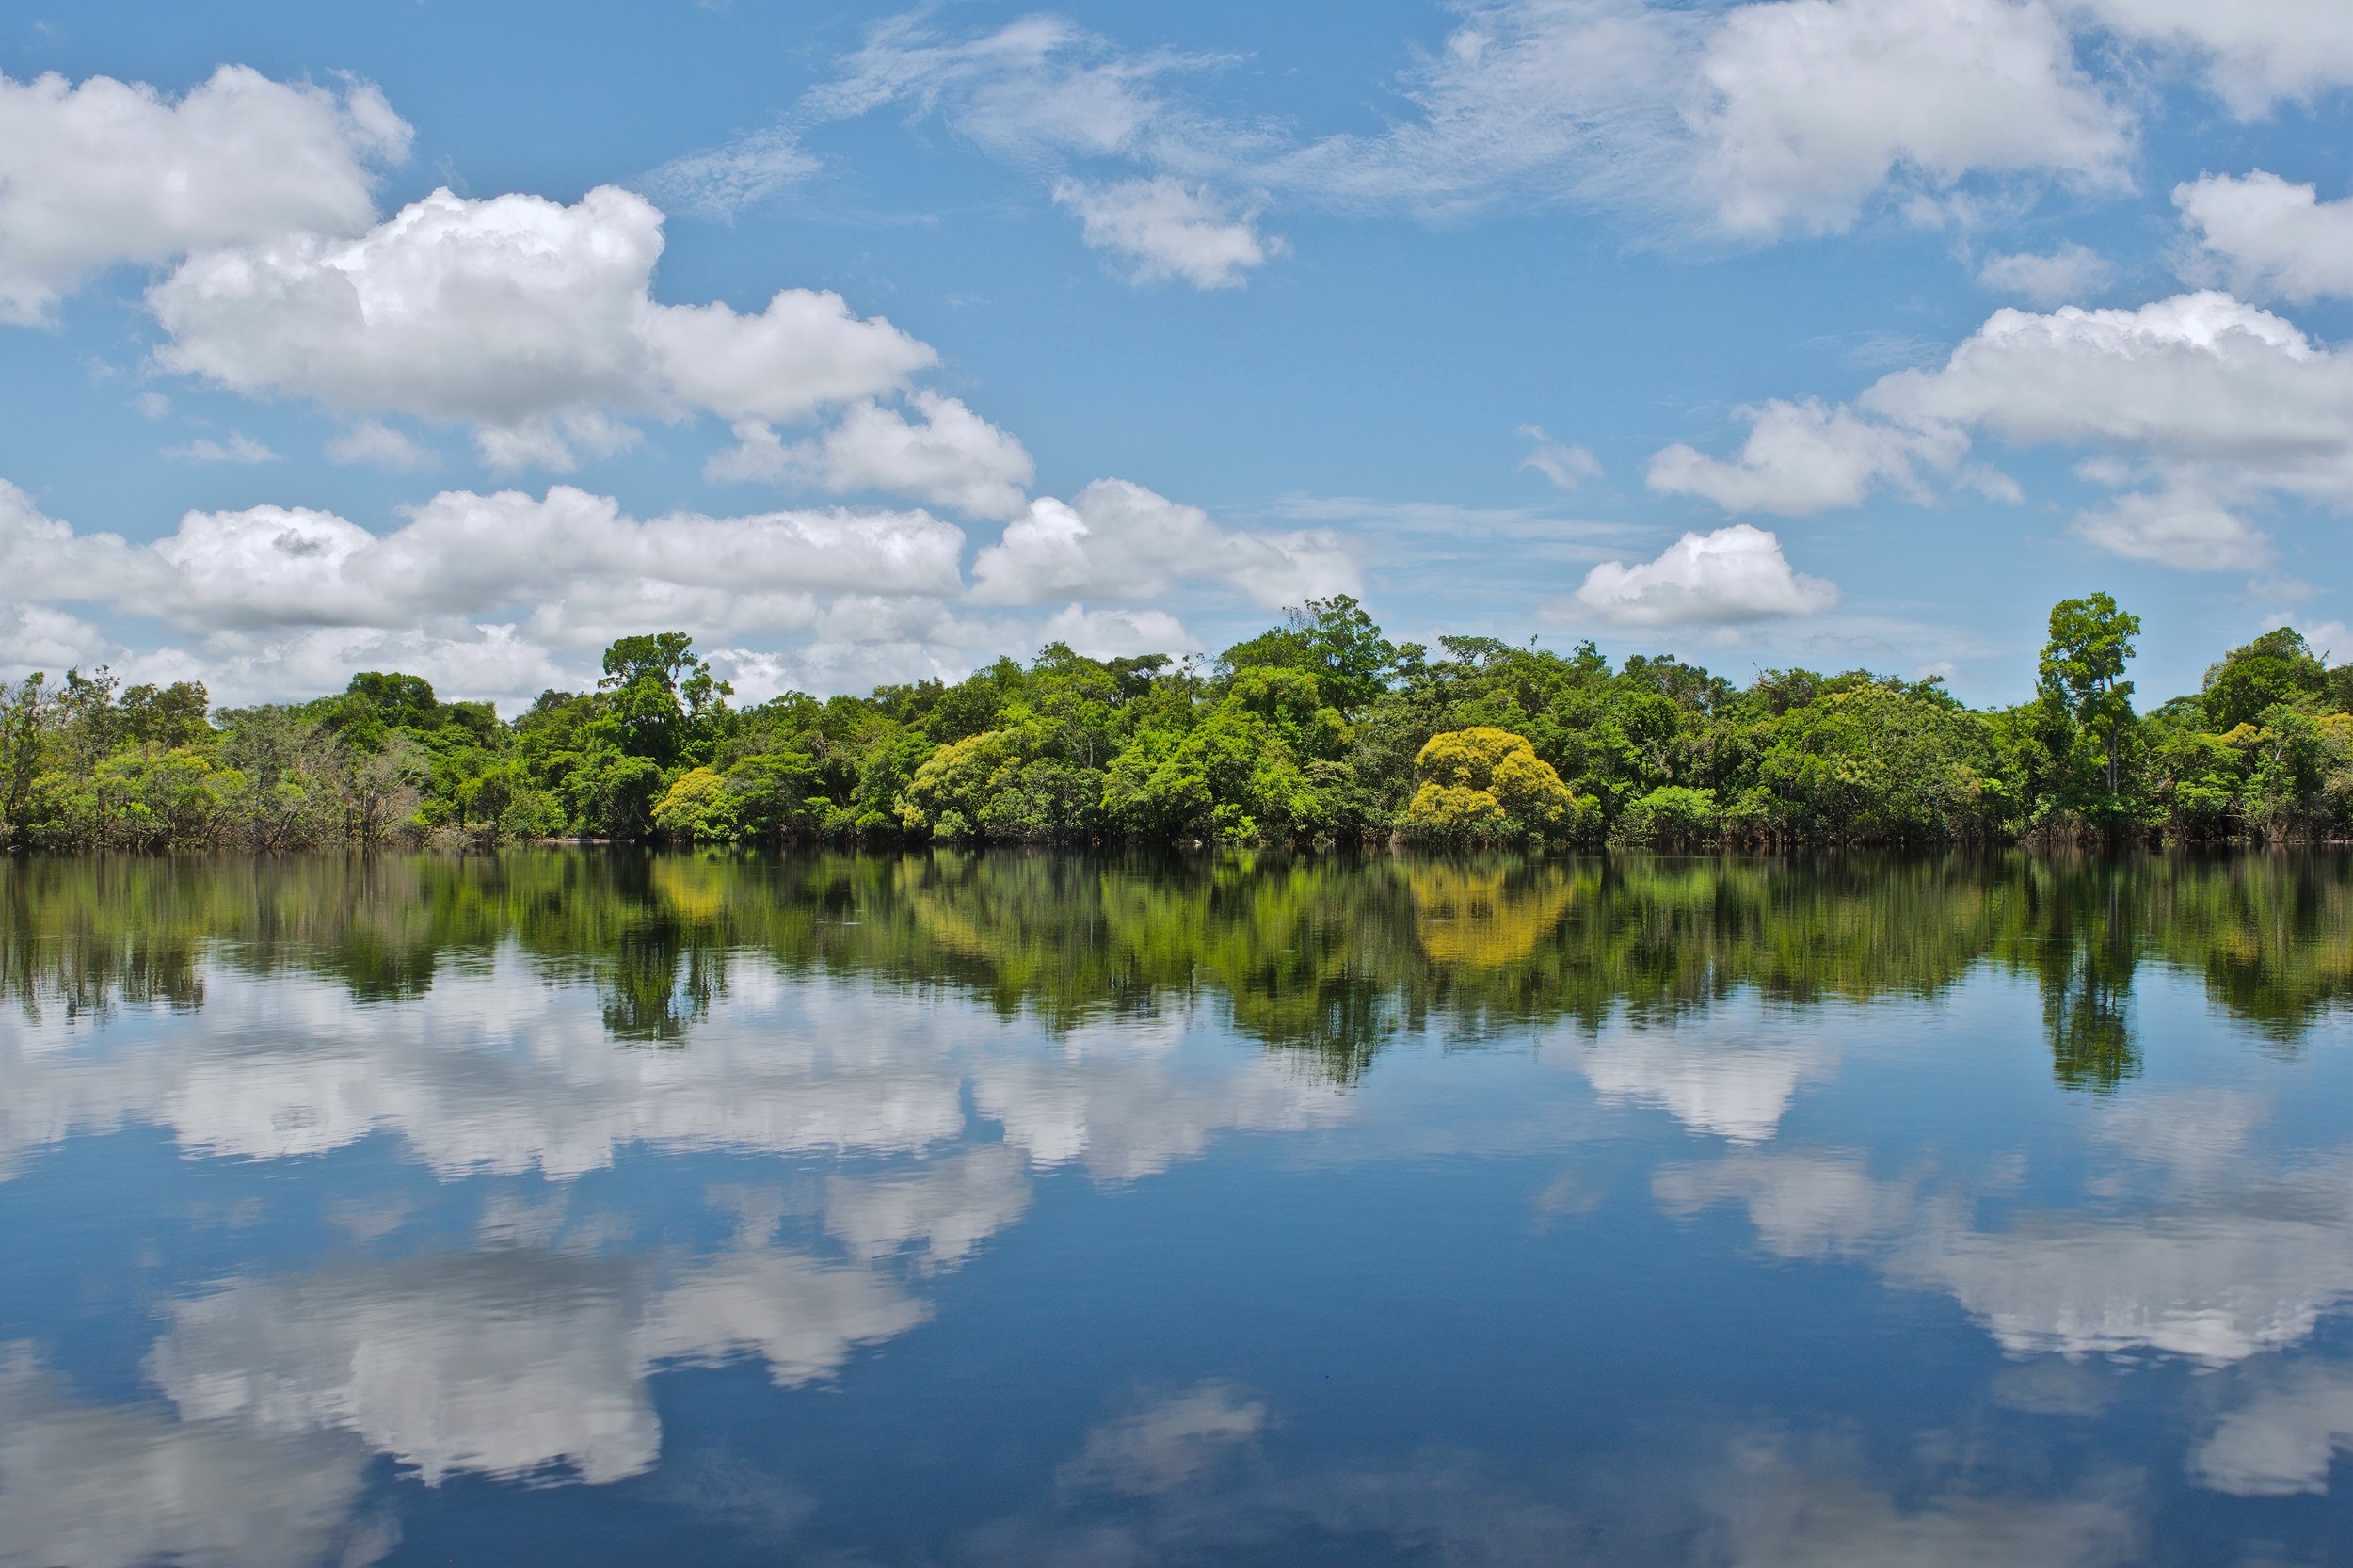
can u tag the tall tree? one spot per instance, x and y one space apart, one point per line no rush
2083 669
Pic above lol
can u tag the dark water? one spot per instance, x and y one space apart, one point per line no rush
591 1210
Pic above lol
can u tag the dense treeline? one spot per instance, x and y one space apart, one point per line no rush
1318 732
1329 957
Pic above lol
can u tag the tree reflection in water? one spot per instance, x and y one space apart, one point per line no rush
1329 959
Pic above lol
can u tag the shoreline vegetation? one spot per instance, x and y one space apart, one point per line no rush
1318 732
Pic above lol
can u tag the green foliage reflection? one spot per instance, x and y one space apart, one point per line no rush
1328 958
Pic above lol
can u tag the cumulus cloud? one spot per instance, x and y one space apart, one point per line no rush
1729 578
526 319
504 595
721 182
102 1487
942 1211
2271 238
1165 228
952 458
1734 1083
1115 539
2175 528
34 637
2200 384
44 560
496 593
463 554
1813 105
1135 1109
2231 1258
2280 1441
2069 273
108 171
1811 1206
1805 457
2255 53
1112 633
511 1362
2218 401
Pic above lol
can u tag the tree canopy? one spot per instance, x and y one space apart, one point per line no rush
1318 731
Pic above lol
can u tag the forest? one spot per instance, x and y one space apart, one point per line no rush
1317 733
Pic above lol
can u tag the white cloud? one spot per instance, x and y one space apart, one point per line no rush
1112 633
2203 393
2176 528
1568 465
2271 238
511 1362
378 445
1727 578
101 1487
2207 390
109 171
524 318
1736 1084
1167 229
803 1317
1752 120
2281 1441
1782 1512
1136 1108
722 182
943 1211
1807 456
2069 273
501 1362
1168 1444
237 449
489 595
1814 104
2229 1259
464 554
2257 53
43 560
1803 1205
2331 639
1542 99
1037 87
954 459
804 353
152 405
33 637
1115 539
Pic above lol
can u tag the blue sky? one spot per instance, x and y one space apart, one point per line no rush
1819 331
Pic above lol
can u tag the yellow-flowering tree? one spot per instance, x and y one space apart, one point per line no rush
696 807
1484 785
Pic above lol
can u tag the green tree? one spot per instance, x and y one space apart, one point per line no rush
2276 668
2082 671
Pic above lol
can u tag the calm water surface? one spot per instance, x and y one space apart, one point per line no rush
584 1209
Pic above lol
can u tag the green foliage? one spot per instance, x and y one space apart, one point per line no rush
1320 731
1325 959
2277 669
2081 675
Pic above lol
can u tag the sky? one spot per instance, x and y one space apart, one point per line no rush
869 345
